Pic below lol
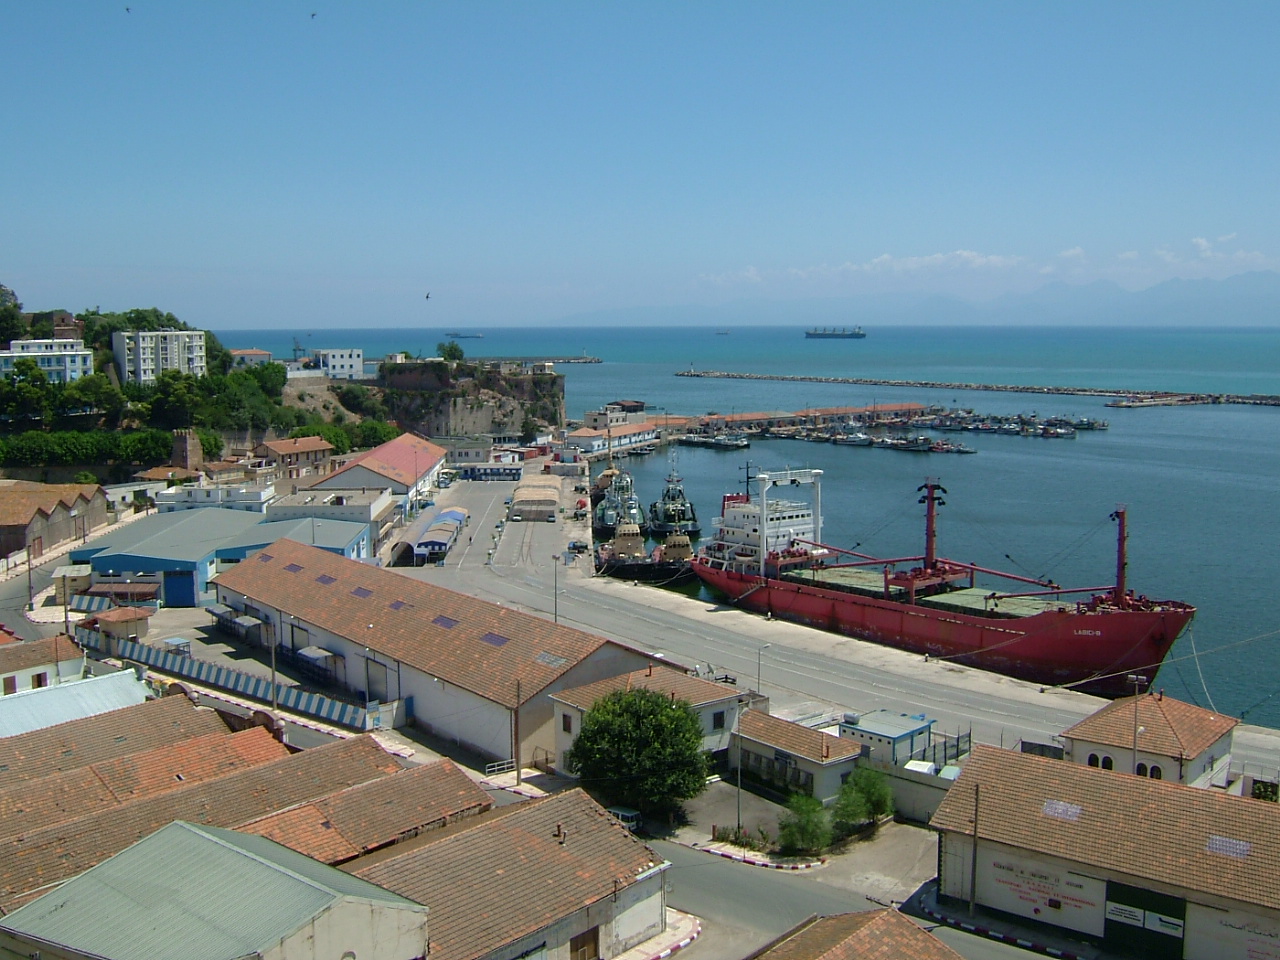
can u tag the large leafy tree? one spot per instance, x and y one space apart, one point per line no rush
641 749
12 325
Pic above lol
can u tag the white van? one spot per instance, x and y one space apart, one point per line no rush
629 818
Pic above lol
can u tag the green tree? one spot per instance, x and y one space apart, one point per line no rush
370 433
805 827
641 749
210 443
864 798
28 392
12 325
85 476
449 351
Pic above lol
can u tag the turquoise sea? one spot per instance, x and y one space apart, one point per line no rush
1200 483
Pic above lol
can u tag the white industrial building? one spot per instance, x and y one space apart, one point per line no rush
343 364
469 671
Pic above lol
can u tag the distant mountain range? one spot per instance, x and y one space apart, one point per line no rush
1245 300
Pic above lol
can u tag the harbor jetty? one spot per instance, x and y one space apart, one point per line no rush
1119 398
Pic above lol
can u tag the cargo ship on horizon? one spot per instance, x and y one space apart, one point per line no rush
768 556
831 333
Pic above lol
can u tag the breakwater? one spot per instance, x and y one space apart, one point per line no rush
1120 398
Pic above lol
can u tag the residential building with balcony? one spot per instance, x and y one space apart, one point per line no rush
142 355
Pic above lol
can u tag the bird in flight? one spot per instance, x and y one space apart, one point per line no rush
313 16
428 296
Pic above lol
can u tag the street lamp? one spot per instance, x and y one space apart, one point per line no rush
1138 680
759 656
555 587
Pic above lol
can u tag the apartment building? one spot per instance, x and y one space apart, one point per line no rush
142 355
61 360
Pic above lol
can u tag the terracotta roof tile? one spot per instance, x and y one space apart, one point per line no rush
479 646
795 738
297 445
1202 840
663 680
372 815
33 804
874 935
117 733
43 858
403 459
22 500
1171 728
506 874
30 654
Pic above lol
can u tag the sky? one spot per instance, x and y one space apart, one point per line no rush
326 165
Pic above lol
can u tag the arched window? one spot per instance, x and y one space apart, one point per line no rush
1107 764
1093 759
1156 774
1141 770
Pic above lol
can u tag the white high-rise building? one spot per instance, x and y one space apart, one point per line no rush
61 360
142 355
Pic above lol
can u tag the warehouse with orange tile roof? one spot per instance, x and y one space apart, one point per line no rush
1146 867
551 879
470 671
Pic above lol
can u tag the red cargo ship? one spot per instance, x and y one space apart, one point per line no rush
767 556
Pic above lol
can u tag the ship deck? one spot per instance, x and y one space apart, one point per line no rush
869 582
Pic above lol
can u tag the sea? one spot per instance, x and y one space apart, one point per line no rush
1199 483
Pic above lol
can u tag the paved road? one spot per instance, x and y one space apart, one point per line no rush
743 908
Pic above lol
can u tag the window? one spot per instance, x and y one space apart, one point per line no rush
1156 773
1093 759
1141 770
717 720
566 723
39 680
1107 764
10 685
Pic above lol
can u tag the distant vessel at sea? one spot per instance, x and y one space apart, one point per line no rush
831 333
465 336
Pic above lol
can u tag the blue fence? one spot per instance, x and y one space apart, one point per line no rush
236 681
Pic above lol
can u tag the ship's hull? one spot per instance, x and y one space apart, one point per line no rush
665 572
1091 650
661 529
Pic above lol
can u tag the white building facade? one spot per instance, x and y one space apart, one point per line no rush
142 355
344 364
62 361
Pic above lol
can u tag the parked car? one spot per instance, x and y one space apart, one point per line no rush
628 817
551 518
577 546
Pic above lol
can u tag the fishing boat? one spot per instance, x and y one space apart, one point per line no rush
767 555
673 512
626 558
832 333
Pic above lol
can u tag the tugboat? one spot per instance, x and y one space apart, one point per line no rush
673 512
625 557
619 505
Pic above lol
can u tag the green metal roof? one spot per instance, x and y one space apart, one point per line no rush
191 892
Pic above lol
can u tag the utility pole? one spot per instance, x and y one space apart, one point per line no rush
1137 680
515 723
973 862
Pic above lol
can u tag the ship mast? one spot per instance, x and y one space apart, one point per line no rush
932 501
1122 559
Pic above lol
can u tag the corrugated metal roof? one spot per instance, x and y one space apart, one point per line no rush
154 899
36 709
186 535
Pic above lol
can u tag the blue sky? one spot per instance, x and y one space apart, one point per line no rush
246 163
